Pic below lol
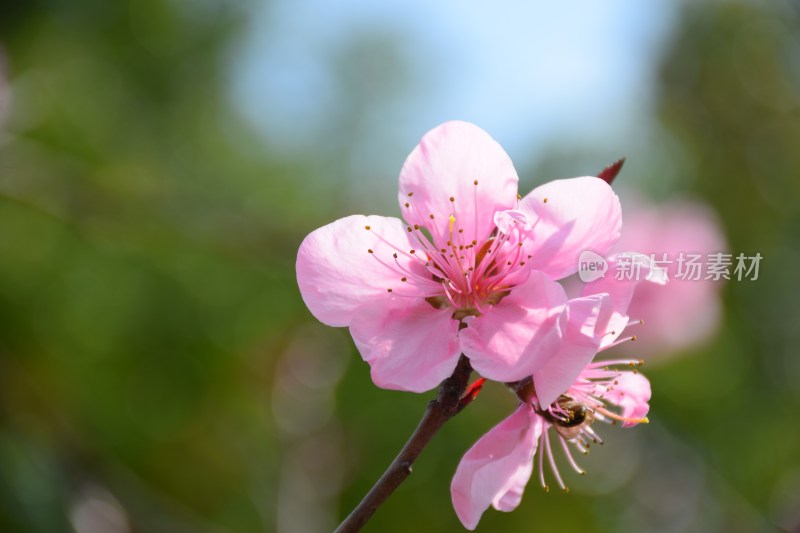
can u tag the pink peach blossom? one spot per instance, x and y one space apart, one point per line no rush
495 471
471 270
690 311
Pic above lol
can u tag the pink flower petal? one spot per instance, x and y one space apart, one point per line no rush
519 334
631 392
516 487
408 344
578 348
573 215
337 274
614 316
446 164
497 467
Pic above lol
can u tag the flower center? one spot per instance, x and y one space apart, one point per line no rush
475 276
468 276
569 416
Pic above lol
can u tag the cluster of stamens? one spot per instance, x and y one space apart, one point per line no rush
573 413
450 271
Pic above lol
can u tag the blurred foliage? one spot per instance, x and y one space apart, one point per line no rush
156 358
147 271
730 94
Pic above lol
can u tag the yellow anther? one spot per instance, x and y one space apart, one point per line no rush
452 222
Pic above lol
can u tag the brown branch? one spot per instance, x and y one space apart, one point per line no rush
438 412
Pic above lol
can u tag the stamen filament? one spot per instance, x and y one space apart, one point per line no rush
541 463
614 416
552 461
570 459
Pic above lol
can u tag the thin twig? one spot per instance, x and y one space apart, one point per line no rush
438 412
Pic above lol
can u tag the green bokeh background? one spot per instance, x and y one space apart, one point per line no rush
160 373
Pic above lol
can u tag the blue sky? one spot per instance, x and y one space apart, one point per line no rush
527 72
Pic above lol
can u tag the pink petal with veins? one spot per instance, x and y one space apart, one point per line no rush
570 216
579 345
446 164
519 334
337 274
497 467
408 344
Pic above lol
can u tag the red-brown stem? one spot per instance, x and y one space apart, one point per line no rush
438 412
